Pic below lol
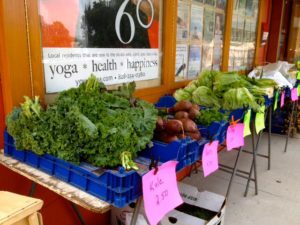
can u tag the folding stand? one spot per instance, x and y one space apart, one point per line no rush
248 175
236 172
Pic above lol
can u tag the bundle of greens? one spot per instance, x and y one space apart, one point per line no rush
206 117
87 123
207 78
205 97
239 98
226 81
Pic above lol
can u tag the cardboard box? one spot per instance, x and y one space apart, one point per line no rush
206 201
211 204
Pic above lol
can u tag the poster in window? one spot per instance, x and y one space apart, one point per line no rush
194 61
253 31
218 40
247 31
210 2
221 4
209 25
235 6
242 7
181 62
231 59
207 57
182 21
240 30
116 40
234 27
196 28
238 59
249 8
217 58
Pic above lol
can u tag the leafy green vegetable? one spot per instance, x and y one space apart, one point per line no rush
86 123
182 94
239 98
206 117
207 78
205 97
227 81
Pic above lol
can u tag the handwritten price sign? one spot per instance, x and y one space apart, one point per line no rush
235 136
160 192
282 99
295 94
210 161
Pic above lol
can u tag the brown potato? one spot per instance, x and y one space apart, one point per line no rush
189 125
174 126
194 135
167 138
159 124
181 136
181 114
193 113
183 106
195 106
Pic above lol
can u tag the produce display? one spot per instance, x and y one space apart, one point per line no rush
88 123
229 91
168 130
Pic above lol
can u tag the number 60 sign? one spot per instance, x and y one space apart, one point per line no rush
121 13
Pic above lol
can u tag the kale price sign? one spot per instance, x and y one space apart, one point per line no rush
160 192
116 40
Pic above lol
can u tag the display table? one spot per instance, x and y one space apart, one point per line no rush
71 193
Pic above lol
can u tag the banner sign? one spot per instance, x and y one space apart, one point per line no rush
116 40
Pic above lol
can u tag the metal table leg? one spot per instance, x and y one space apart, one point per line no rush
234 171
289 127
253 164
136 211
32 189
269 136
75 208
78 214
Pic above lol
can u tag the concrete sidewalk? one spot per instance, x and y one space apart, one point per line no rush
278 200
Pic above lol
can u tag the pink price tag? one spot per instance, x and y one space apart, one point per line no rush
282 99
210 160
235 136
295 94
160 192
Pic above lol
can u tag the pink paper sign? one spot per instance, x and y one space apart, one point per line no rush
295 94
210 160
235 136
160 192
282 99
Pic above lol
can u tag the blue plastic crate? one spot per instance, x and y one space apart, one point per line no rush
217 131
176 150
118 188
166 102
268 101
179 150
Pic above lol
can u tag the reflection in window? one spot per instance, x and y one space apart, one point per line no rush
243 35
200 30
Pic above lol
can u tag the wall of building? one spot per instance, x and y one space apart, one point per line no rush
265 17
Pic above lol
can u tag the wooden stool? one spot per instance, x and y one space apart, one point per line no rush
19 210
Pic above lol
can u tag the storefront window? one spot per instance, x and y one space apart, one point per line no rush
200 31
116 40
243 35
